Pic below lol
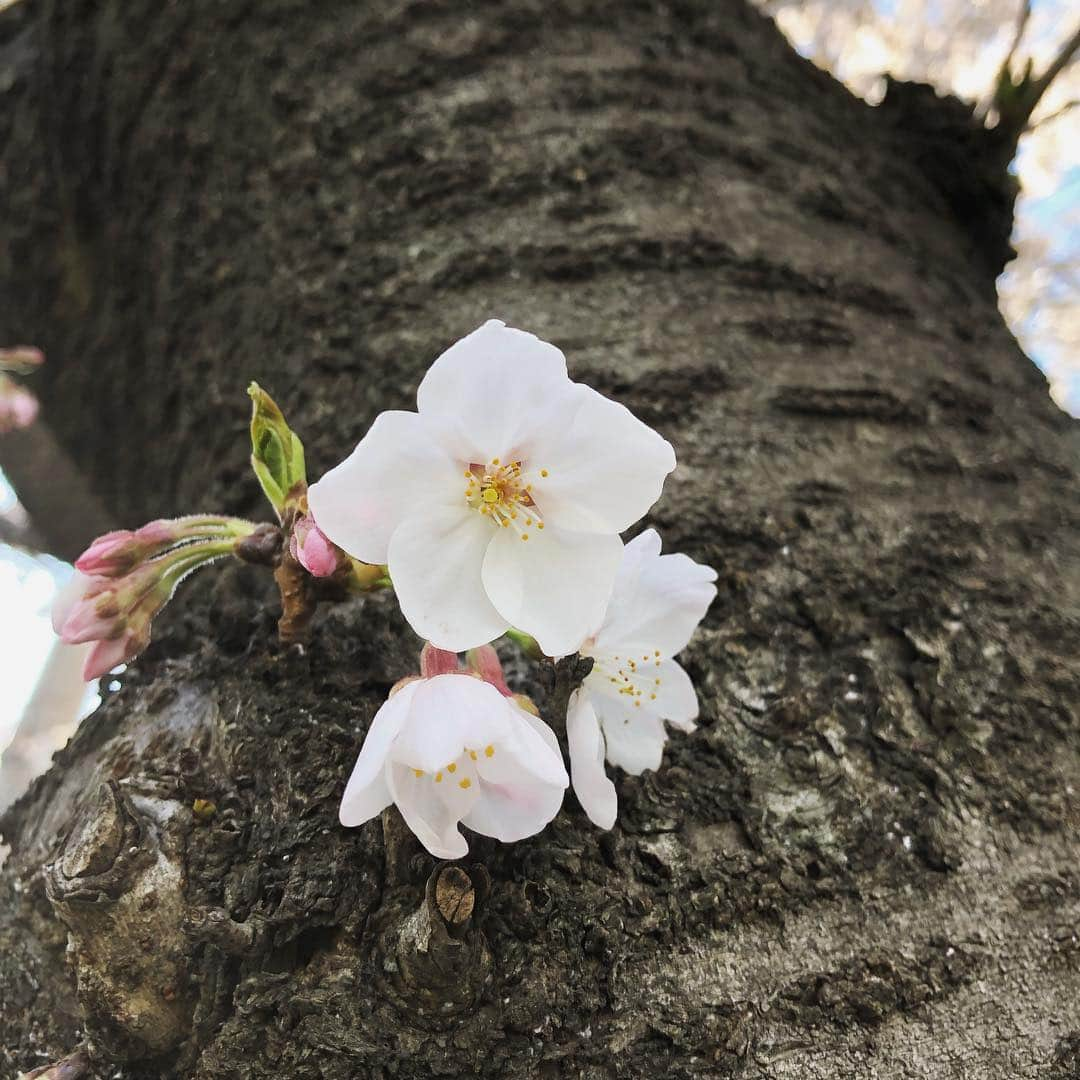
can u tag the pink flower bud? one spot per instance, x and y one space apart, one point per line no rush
484 661
110 555
86 609
21 358
436 661
67 598
112 652
18 407
116 612
311 549
163 531
117 553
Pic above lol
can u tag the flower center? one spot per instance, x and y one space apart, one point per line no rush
634 679
452 772
502 493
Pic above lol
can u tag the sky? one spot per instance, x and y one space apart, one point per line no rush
27 586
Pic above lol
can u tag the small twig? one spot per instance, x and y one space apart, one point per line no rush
297 600
1068 106
1021 26
565 675
1058 65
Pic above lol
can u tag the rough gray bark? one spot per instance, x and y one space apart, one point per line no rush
862 864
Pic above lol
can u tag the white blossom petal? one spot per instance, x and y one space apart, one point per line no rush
426 813
398 470
676 699
486 389
604 467
634 736
510 812
657 601
525 747
458 786
553 586
361 804
593 789
366 786
435 562
440 714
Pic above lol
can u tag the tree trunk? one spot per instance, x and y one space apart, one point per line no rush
863 863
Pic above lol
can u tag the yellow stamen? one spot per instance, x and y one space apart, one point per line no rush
465 783
543 472
438 778
418 772
489 751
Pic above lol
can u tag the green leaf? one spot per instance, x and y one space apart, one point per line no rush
277 454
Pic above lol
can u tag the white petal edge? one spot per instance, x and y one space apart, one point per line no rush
435 561
554 586
634 737
605 468
514 811
485 390
657 600
676 699
366 784
440 713
397 467
360 805
430 819
593 789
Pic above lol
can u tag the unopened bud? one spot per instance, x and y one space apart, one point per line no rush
116 612
18 407
436 661
312 550
21 359
118 553
484 661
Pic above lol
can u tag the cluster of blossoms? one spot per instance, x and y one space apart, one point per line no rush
18 407
496 508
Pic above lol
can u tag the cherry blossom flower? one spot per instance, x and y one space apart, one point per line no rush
451 748
499 502
634 686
